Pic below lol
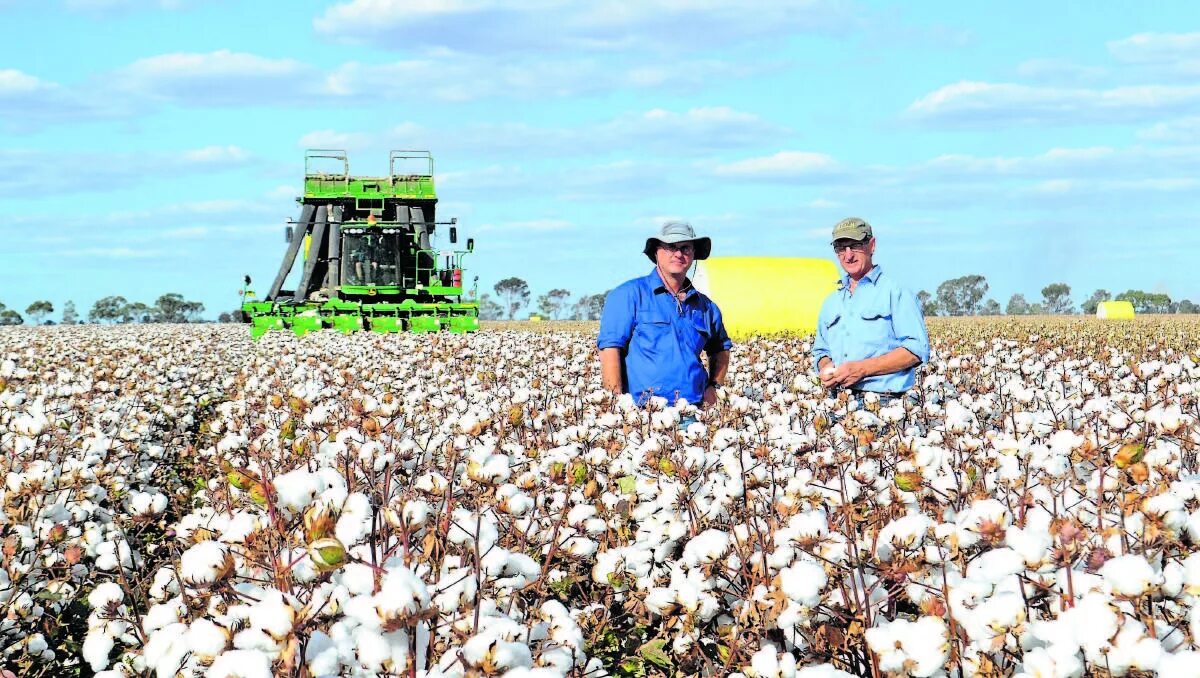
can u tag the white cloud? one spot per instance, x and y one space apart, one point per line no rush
488 26
1143 48
982 103
696 131
29 102
782 165
219 78
1059 70
23 172
1183 130
456 77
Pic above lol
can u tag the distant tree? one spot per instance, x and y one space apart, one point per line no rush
69 315
137 312
991 307
962 296
1057 299
1036 309
1093 302
514 295
553 303
589 307
107 308
1187 306
39 310
928 304
173 308
1017 305
488 308
9 316
1147 302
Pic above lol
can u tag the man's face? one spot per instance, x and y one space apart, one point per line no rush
675 258
855 255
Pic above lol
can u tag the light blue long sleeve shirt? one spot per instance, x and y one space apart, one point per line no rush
879 317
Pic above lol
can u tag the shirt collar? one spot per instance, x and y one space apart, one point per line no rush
655 282
872 276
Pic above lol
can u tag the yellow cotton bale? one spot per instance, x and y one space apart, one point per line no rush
767 295
1114 310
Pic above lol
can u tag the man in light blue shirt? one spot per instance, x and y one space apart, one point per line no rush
871 333
655 327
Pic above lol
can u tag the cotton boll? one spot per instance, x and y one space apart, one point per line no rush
97 646
1185 664
113 554
802 582
1054 661
206 563
904 533
1032 545
995 565
416 513
206 640
240 664
106 595
402 593
296 489
355 521
918 648
1130 575
706 548
274 615
768 663
321 655
163 615
166 649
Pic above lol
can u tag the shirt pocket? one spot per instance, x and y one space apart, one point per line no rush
699 333
877 327
831 322
653 334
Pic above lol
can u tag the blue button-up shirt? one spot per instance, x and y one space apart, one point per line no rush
879 317
661 338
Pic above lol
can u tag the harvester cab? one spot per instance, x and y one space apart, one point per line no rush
366 251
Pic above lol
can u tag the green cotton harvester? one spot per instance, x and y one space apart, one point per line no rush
364 249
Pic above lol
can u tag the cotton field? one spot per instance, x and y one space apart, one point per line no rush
181 501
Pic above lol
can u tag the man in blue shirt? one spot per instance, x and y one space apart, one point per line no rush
871 333
654 328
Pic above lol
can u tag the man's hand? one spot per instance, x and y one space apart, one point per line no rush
847 374
709 397
825 372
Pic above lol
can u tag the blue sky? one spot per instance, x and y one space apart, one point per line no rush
151 146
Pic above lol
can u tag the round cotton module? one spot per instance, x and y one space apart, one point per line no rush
1114 310
767 295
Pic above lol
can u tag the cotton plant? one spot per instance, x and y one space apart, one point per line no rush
364 505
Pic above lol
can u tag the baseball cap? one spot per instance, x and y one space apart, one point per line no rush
852 228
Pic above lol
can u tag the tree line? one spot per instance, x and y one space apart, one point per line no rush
966 296
513 295
171 307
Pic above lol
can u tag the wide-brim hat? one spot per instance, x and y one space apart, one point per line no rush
676 232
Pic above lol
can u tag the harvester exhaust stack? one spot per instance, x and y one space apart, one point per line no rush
366 249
